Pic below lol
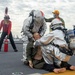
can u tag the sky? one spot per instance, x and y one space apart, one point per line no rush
18 10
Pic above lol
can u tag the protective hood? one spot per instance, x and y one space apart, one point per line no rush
38 13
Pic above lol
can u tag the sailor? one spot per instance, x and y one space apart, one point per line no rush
6 24
55 49
56 14
35 23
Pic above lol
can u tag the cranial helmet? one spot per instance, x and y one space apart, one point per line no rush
56 12
6 17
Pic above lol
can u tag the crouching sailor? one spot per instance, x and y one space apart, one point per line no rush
55 50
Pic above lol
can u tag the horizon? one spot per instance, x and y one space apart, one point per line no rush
19 10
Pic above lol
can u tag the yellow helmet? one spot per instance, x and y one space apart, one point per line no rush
56 12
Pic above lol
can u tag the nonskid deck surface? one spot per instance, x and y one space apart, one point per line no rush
10 62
